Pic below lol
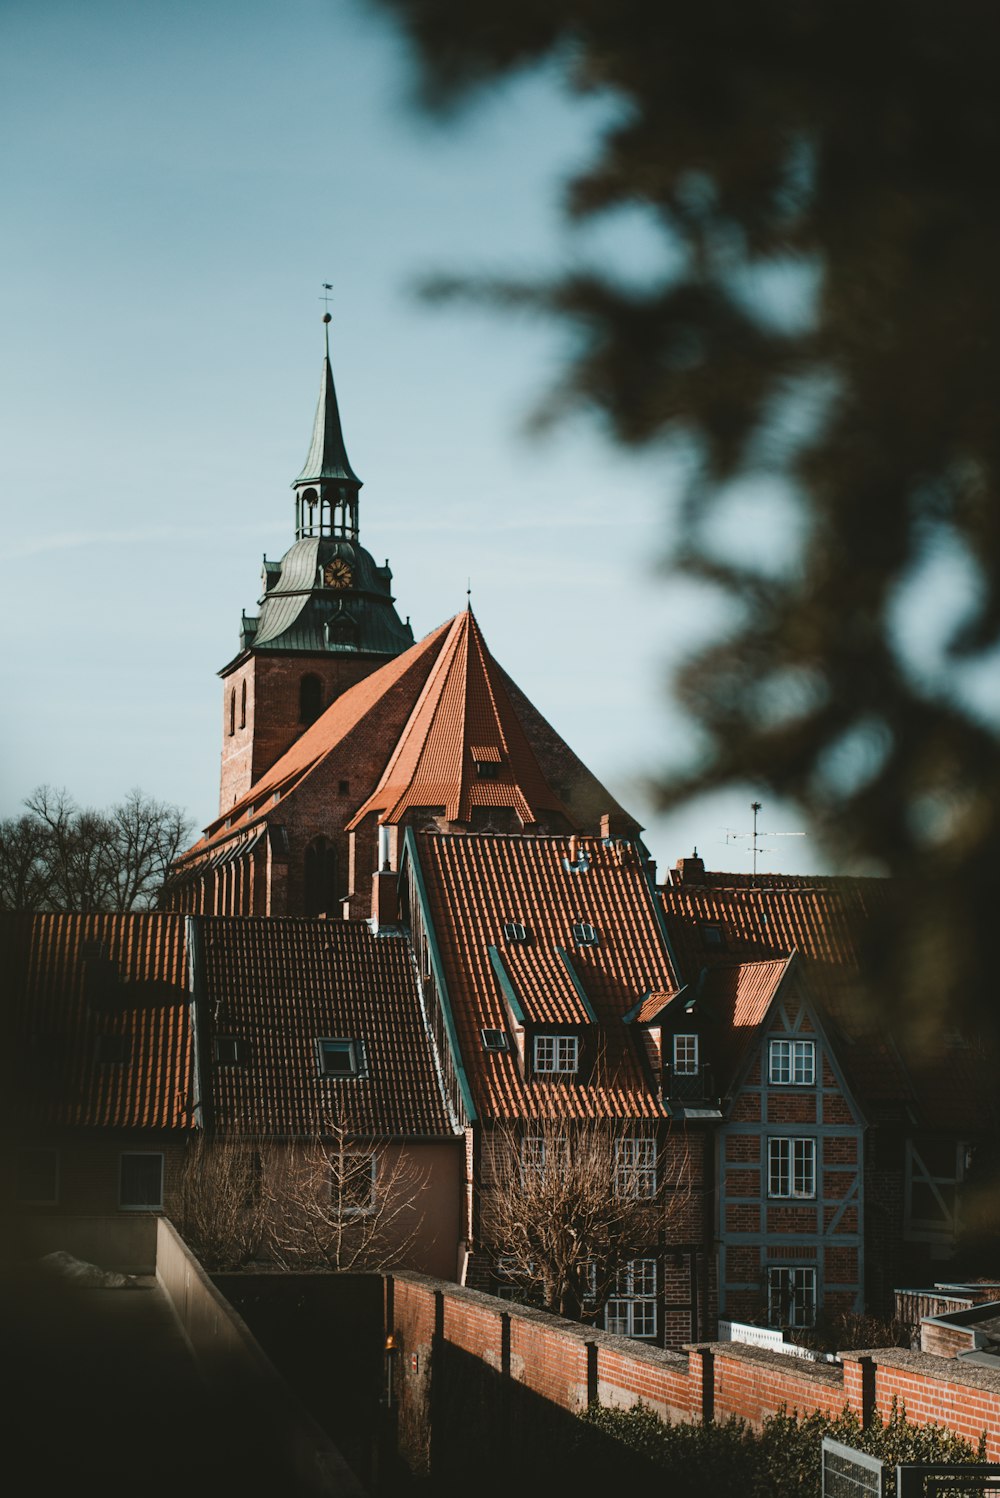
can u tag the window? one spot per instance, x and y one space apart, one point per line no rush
310 689
791 1167
539 1151
243 705
352 1183
229 1050
791 1297
487 769
232 712
140 1185
712 936
38 1177
114 1049
631 1308
320 893
792 1062
513 931
556 1053
635 1166
343 787
584 934
341 1058
685 1054
494 1040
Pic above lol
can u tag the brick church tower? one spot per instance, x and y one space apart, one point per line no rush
327 617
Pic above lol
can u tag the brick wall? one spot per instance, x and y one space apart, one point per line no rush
564 1366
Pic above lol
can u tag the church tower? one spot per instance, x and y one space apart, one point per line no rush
326 619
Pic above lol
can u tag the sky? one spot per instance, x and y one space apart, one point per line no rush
180 180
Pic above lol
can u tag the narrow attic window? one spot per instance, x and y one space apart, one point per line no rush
584 934
711 936
341 1058
229 1050
487 769
494 1040
514 931
114 1050
343 787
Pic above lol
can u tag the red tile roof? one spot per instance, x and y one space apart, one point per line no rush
74 978
738 996
322 738
278 986
464 715
475 884
829 922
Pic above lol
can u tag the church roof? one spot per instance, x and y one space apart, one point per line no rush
327 456
464 746
299 612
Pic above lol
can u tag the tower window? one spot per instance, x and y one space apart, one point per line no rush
232 712
243 704
310 698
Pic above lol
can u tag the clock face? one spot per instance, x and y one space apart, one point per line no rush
338 574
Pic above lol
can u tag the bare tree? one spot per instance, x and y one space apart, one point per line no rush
567 1205
62 857
338 1202
222 1203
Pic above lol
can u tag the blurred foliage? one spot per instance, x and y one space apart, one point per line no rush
821 175
728 1457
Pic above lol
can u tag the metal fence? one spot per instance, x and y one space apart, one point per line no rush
851 1474
949 1480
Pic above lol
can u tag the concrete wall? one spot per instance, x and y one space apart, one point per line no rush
126 1242
241 1377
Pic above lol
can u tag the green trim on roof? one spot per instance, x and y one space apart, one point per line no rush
574 978
437 967
509 991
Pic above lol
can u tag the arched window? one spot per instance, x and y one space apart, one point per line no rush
243 704
320 891
310 703
232 712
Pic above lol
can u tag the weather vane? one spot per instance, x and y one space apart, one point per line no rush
731 836
325 298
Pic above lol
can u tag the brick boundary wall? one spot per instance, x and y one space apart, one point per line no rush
572 1366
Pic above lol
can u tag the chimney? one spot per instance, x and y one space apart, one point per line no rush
574 849
385 899
689 870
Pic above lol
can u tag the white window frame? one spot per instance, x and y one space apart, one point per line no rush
635 1166
791 1288
792 1063
536 1155
556 1055
37 1201
631 1308
515 932
685 1053
791 1167
124 1206
361 1208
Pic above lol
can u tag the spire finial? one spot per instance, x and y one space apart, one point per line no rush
468 593
325 299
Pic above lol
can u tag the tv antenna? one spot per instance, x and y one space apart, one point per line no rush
755 836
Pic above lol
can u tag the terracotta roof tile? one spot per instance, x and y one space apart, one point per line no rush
73 979
476 884
280 985
464 715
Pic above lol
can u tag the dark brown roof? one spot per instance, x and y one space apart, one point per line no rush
476 884
279 986
80 984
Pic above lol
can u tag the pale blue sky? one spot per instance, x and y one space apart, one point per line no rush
178 180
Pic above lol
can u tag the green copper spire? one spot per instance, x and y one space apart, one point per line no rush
327 454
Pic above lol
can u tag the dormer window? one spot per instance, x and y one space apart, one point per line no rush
229 1050
556 1055
584 934
487 769
685 1055
712 936
494 1040
487 760
341 1058
515 932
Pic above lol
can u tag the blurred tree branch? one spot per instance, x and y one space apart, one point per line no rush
849 150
